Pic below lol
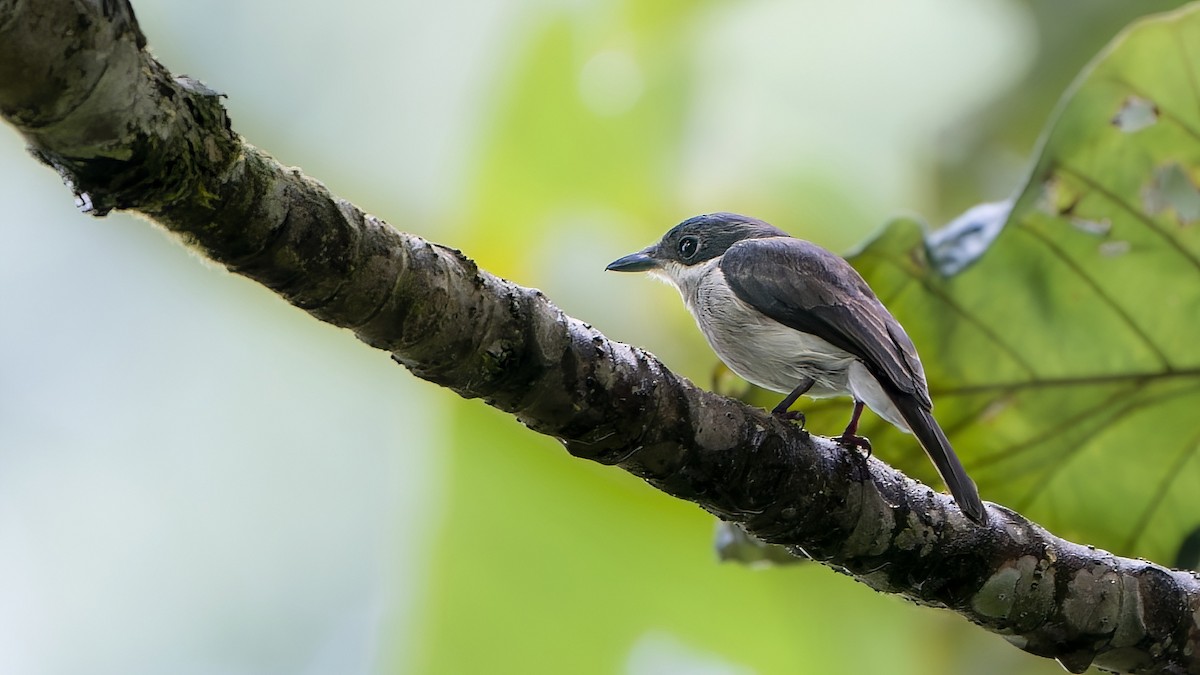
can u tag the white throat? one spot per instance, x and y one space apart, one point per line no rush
690 279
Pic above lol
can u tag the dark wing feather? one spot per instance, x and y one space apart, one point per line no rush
805 287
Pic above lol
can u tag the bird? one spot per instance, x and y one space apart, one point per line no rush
792 317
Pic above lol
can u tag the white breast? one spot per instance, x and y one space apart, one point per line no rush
757 348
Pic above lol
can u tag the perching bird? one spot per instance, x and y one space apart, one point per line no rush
791 317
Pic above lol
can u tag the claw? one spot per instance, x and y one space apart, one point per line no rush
791 416
852 442
850 439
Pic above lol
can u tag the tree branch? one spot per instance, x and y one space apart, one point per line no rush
76 81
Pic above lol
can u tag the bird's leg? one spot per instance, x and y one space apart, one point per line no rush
850 437
781 410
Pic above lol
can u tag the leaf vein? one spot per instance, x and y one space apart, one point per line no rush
1020 447
970 318
1073 381
1104 296
1129 208
1039 485
1160 110
1160 493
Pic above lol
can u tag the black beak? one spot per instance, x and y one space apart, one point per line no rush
634 262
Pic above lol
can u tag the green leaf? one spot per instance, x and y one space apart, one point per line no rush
1064 360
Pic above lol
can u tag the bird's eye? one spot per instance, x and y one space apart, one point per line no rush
688 247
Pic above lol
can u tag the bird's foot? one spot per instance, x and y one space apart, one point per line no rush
790 416
853 442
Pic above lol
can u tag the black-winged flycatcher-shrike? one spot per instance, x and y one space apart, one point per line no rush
791 317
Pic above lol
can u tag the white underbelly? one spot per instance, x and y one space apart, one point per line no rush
763 351
766 353
779 358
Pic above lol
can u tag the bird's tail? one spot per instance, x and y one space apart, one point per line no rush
925 428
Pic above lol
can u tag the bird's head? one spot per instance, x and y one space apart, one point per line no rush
692 243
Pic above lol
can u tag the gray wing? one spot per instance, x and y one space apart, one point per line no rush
805 287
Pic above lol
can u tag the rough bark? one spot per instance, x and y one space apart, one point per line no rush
76 81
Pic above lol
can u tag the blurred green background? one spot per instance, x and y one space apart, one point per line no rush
197 478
